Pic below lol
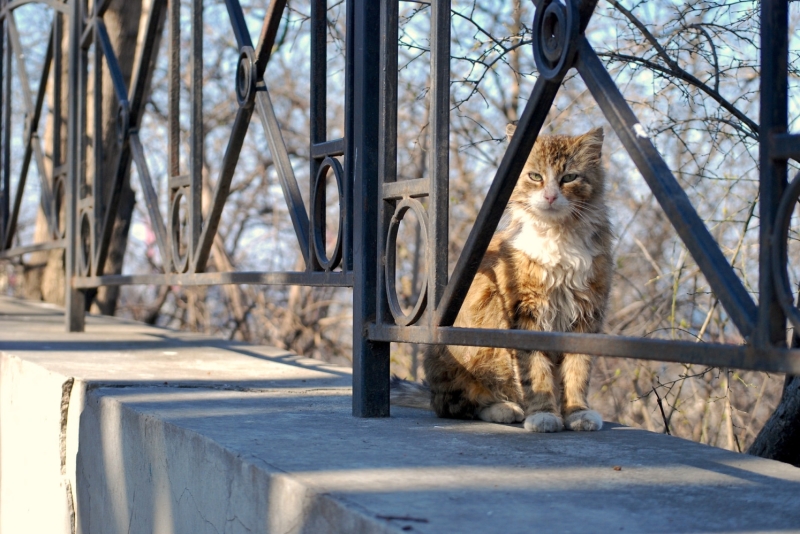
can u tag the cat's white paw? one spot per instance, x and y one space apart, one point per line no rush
584 420
544 422
502 412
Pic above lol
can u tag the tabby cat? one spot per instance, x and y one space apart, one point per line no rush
549 269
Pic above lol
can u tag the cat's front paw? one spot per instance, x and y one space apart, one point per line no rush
544 422
502 412
584 420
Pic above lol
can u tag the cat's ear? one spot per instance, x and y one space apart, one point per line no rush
510 129
592 142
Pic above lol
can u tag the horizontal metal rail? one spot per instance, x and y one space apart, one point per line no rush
27 249
770 359
333 279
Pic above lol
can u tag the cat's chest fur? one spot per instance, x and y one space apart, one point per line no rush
555 266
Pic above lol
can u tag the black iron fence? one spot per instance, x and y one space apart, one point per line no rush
80 201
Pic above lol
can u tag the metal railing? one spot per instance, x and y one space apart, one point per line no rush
364 166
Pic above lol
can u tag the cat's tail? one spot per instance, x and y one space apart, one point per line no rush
410 394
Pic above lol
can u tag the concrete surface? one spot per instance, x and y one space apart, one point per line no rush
166 432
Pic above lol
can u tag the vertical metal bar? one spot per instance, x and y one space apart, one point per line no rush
58 65
75 301
173 108
370 359
439 155
318 104
173 118
347 233
5 76
387 142
98 179
196 135
771 323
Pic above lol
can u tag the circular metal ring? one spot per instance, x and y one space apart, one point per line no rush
780 237
555 28
176 236
85 243
123 121
318 207
246 76
59 207
403 206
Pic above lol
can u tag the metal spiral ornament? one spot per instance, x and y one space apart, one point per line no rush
555 32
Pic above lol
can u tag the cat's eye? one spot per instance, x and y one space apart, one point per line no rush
567 178
535 176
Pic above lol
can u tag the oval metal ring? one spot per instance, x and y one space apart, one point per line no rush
85 243
60 208
780 237
403 206
246 76
318 214
180 263
555 27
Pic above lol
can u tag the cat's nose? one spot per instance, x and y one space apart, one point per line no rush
551 199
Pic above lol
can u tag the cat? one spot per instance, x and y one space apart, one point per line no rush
549 269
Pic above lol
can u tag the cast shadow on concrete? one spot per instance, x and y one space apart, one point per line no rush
171 458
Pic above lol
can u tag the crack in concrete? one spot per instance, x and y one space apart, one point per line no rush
197 508
66 392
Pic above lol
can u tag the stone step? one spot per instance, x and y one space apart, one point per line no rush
130 428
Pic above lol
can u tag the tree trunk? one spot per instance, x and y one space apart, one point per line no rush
780 437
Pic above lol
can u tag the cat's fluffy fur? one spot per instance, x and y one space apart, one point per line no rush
549 269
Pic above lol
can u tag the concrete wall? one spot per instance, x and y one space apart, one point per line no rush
140 474
38 443
133 429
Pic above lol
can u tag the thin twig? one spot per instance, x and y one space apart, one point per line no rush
663 415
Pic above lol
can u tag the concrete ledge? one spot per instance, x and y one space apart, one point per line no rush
129 428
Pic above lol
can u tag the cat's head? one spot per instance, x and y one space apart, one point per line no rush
563 178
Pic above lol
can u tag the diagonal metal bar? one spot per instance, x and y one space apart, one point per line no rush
100 7
112 63
33 136
266 111
32 144
673 199
223 186
141 87
150 196
283 166
238 23
269 31
234 148
143 72
533 117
